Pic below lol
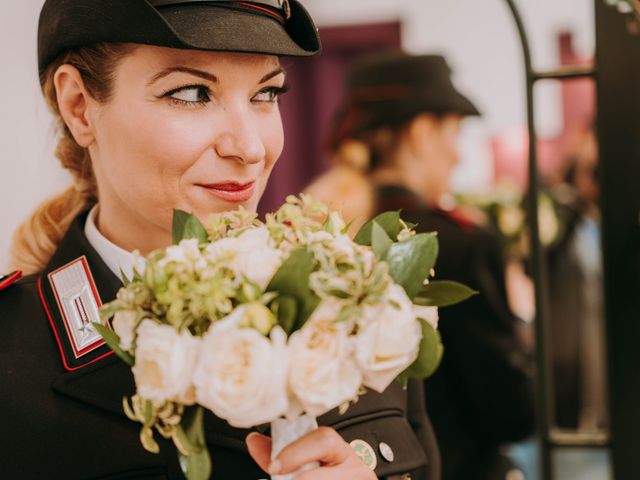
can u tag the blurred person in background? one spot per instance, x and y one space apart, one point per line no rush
398 129
575 286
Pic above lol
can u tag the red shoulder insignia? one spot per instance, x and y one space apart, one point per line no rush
9 279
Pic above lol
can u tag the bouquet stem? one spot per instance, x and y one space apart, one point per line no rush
285 432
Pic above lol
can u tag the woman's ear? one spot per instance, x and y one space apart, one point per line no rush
73 103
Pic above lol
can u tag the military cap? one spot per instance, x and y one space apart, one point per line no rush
391 88
275 27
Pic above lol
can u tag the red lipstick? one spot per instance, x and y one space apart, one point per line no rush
233 192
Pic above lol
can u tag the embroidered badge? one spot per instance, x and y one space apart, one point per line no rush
79 303
9 279
365 453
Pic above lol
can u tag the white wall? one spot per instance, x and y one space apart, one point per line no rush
477 36
28 172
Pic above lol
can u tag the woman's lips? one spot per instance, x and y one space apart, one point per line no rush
231 191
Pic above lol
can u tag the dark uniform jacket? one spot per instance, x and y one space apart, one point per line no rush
481 396
62 418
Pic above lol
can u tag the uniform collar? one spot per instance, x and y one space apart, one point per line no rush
116 258
397 197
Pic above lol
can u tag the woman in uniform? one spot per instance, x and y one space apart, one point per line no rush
403 114
161 104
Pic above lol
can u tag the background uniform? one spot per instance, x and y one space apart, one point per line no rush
481 396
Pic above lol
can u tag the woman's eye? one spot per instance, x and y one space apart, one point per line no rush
192 95
269 95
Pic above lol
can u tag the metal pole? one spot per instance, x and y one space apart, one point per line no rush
537 265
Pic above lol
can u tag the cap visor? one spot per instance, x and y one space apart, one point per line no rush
206 27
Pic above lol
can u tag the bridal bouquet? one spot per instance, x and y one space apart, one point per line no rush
273 322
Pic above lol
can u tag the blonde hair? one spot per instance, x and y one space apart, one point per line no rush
36 240
347 187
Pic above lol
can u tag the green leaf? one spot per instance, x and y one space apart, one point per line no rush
125 280
149 417
292 280
197 464
411 261
390 223
443 293
285 308
128 411
182 441
430 354
186 225
108 310
147 440
113 342
380 241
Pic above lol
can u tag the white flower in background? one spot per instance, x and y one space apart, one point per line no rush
241 376
250 254
323 374
389 338
548 221
429 314
510 219
124 323
165 360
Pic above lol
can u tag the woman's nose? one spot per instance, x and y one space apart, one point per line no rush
240 140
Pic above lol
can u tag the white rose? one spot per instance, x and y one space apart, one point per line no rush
241 376
164 362
389 339
250 255
429 314
124 323
186 251
323 374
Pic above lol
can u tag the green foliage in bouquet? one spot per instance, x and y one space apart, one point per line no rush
411 258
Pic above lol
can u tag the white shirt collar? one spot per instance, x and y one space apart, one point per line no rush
116 258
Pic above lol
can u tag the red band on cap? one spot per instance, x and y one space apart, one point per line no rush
280 18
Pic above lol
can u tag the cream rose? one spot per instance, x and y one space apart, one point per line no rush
164 363
242 375
187 251
389 339
428 314
124 323
250 255
323 374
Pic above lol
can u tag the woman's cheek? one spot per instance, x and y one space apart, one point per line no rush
177 142
273 139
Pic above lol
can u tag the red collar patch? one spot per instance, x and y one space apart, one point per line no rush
73 291
7 280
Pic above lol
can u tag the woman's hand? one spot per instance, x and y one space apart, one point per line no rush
323 445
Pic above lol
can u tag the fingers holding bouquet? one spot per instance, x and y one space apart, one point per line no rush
323 447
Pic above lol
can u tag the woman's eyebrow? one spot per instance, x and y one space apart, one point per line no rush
270 75
193 71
